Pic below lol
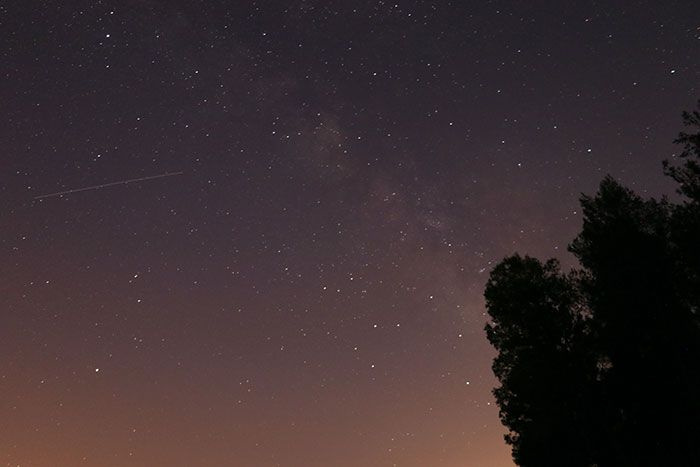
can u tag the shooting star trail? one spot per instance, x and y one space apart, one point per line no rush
105 185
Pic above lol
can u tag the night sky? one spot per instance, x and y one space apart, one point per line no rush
308 290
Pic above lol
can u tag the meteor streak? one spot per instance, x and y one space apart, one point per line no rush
104 185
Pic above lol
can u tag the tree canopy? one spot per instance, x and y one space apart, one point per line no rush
600 366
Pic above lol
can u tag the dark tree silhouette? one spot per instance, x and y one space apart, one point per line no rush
686 216
640 328
688 174
601 367
537 327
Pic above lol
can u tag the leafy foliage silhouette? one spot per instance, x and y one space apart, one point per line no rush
600 366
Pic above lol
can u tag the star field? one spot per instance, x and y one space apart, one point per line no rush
308 292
